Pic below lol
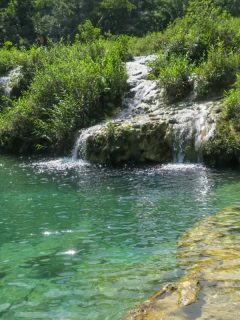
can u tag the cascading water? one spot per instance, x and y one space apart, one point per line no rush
79 149
7 82
189 124
142 96
143 93
195 125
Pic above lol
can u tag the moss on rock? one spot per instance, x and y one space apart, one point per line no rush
140 141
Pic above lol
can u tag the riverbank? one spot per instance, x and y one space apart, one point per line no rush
210 257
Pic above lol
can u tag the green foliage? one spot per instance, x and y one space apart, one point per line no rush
87 32
230 5
203 26
205 37
233 106
21 21
218 71
74 83
151 43
174 75
29 60
73 86
11 58
224 148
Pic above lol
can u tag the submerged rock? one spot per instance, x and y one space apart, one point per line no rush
209 254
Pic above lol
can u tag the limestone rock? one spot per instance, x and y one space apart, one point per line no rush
139 141
209 254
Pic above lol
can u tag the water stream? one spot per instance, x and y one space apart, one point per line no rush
7 82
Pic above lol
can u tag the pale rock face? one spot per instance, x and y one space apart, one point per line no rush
210 256
147 129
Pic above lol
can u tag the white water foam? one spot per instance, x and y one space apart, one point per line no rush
181 167
61 164
7 82
194 126
79 149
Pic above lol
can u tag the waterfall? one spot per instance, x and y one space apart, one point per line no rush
79 150
195 125
189 124
7 82
143 94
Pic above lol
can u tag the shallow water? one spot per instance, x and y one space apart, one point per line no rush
85 242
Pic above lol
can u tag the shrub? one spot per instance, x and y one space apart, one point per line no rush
224 148
11 58
174 76
218 71
30 61
233 106
87 33
205 37
72 88
151 43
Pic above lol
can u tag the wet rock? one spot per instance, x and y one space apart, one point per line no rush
210 256
173 121
141 141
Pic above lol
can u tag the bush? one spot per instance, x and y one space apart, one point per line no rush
11 58
151 43
218 71
30 61
224 148
87 33
205 37
72 88
174 76
233 106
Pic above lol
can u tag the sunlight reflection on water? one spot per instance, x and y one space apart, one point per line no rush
87 242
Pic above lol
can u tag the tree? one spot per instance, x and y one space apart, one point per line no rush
16 21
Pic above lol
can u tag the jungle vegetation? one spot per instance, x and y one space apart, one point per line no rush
76 76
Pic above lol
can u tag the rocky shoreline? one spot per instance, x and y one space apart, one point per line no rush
210 289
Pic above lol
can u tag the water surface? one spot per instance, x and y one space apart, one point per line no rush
85 242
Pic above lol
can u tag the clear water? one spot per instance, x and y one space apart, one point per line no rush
83 242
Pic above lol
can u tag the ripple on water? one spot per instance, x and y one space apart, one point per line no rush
79 241
210 289
182 167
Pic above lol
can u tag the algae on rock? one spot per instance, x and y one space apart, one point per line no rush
140 141
210 289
